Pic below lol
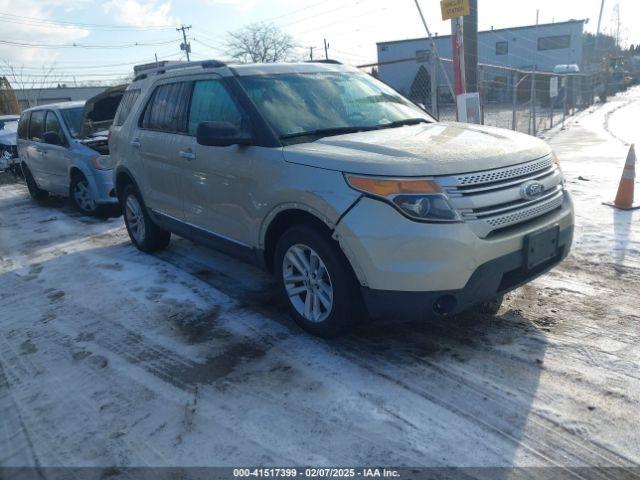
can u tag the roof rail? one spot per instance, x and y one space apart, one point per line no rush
327 60
178 66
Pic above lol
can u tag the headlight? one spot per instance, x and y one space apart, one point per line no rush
419 199
103 162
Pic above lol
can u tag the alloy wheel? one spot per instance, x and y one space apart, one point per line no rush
83 197
135 218
307 283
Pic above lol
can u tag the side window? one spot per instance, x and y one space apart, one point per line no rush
126 105
211 102
23 126
36 125
167 108
52 124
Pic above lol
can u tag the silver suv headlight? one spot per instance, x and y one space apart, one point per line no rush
420 199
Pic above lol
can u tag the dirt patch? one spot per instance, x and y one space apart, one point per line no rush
198 327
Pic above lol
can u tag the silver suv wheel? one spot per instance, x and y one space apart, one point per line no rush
135 218
307 283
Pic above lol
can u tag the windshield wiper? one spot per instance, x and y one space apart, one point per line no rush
405 122
325 132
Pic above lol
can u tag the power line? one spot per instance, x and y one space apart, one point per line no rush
88 46
9 17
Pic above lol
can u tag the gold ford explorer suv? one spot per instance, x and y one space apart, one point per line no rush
358 201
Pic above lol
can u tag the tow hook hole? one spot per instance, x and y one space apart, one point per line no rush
445 304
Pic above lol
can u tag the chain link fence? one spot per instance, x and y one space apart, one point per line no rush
510 98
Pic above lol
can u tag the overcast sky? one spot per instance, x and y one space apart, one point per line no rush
106 33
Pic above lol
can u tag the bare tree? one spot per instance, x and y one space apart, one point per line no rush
260 43
30 84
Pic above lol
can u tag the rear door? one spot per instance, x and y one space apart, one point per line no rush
162 137
34 152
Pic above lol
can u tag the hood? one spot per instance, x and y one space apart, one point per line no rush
9 132
8 137
99 111
419 150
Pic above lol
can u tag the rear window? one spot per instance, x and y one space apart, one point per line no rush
167 109
36 125
126 105
23 126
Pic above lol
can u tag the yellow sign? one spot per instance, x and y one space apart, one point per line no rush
454 8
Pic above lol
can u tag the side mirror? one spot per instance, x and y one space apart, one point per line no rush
52 138
221 134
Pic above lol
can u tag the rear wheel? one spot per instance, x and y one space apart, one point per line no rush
316 282
80 193
144 233
35 192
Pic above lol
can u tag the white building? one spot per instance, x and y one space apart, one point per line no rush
41 96
545 46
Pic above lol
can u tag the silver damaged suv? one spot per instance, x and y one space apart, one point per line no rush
359 202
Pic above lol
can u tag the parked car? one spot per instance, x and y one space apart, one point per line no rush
8 148
63 150
358 200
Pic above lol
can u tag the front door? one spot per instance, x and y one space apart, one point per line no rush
56 157
219 178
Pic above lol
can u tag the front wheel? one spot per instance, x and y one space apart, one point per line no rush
81 195
143 232
316 282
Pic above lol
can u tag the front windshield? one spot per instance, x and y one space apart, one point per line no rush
303 103
73 119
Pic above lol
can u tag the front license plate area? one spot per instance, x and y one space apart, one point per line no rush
541 246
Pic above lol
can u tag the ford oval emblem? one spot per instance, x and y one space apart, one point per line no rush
531 190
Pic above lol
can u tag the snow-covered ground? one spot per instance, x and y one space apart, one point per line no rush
110 357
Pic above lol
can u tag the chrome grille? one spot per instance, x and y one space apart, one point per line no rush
492 200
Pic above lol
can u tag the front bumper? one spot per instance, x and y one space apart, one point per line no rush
406 266
490 280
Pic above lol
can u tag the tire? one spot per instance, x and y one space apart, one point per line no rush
81 196
492 306
35 192
329 286
143 232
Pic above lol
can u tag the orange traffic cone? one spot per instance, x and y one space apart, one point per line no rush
624 198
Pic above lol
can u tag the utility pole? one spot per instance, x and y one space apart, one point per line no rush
470 35
186 46
595 48
326 50
311 49
533 80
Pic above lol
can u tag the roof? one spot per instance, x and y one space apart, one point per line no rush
57 106
497 30
205 66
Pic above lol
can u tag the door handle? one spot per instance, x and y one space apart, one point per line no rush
135 143
188 155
